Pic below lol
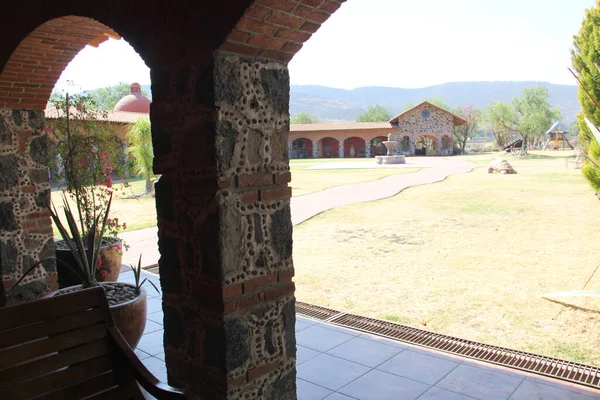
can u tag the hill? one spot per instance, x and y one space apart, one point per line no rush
341 104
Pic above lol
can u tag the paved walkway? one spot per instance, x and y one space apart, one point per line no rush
433 170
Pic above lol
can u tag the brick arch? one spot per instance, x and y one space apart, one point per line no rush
32 70
277 29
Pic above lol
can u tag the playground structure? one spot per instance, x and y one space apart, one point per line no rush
558 136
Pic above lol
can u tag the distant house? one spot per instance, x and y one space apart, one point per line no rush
422 130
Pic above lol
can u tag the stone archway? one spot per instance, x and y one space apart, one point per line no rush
377 147
354 147
301 148
426 145
328 147
220 123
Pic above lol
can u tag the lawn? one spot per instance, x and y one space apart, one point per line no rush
140 213
470 257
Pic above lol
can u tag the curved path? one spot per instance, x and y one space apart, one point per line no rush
144 241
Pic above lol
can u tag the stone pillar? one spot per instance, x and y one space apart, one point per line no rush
315 149
367 148
341 148
25 229
220 135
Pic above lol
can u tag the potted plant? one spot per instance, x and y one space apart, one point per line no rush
127 302
86 153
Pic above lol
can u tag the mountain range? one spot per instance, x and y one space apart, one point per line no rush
331 104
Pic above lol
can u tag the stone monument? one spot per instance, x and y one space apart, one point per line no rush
389 158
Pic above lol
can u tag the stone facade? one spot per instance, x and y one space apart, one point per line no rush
25 233
225 232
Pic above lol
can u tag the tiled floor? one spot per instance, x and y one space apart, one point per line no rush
335 363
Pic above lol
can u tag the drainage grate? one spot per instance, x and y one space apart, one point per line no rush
548 366
316 312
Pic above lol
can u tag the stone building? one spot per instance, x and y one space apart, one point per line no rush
422 130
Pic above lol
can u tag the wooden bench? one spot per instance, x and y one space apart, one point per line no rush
67 347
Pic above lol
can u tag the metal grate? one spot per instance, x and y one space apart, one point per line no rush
316 312
548 366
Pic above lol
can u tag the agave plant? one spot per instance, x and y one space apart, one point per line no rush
85 248
137 274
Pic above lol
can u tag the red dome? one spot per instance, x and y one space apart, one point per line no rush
135 101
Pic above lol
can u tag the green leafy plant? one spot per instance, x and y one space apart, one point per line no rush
85 247
137 274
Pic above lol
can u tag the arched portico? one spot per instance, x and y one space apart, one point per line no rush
354 147
328 147
426 145
377 147
446 147
302 148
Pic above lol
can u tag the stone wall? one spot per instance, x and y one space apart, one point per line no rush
25 231
225 232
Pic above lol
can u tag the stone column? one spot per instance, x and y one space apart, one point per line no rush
25 230
367 148
220 133
315 149
341 148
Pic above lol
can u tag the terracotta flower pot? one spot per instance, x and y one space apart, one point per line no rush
129 315
111 256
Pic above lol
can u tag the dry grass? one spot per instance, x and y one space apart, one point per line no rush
469 257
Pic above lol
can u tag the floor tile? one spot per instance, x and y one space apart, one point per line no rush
141 354
321 339
379 385
152 326
306 320
366 352
436 393
564 385
301 326
309 391
330 372
154 305
381 339
160 356
157 367
479 383
418 366
531 390
157 317
341 329
152 343
338 396
304 354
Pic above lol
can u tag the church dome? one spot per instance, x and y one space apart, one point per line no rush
135 101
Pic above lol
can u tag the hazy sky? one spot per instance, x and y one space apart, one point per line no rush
401 43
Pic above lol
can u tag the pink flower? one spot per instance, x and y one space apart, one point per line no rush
103 272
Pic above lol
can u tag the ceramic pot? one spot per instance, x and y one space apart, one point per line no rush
129 316
111 256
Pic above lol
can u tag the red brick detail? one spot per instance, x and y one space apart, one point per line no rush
28 189
255 180
240 304
276 55
292 47
280 291
36 64
262 370
283 5
285 20
286 275
312 3
277 194
260 282
29 224
310 27
38 214
256 11
249 197
266 42
232 291
311 14
239 48
239 36
254 26
225 183
330 6
22 145
295 36
281 179
25 134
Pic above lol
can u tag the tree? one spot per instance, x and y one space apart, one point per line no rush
140 148
535 114
374 114
304 118
585 56
107 97
466 131
529 116
501 116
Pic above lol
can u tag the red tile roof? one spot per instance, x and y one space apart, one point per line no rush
339 126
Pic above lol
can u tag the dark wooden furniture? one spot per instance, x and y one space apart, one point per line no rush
67 347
